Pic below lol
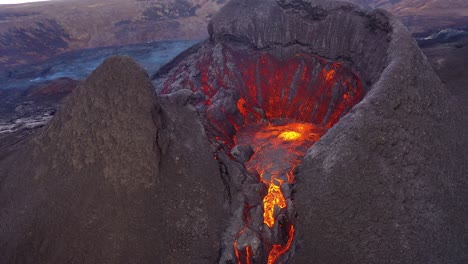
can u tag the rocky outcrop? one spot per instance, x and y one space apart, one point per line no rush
118 176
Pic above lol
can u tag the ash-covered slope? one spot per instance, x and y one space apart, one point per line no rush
118 176
386 183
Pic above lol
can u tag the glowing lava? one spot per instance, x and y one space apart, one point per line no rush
279 250
289 135
274 198
278 150
278 106
278 147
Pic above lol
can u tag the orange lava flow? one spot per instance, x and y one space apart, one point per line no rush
279 250
278 150
274 198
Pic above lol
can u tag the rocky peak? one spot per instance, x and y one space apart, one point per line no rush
95 187
109 123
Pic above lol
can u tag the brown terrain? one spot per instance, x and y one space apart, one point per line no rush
36 31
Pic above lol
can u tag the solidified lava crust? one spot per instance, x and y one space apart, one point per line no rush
278 108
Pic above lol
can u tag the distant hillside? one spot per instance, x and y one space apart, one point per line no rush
412 5
36 31
424 15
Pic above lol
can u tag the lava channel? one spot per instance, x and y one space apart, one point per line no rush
278 150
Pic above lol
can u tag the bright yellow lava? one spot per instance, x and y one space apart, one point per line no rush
289 135
273 198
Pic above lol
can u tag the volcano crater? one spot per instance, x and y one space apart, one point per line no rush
272 79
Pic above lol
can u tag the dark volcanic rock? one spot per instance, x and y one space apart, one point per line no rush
58 86
242 153
191 185
113 178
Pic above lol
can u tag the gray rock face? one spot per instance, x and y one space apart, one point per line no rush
242 153
193 193
114 178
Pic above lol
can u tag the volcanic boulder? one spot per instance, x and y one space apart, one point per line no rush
118 176
386 183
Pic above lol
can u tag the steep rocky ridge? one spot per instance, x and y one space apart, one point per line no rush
118 176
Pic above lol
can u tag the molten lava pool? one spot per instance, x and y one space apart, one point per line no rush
278 150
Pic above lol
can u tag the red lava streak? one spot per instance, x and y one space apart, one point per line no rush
279 250
280 107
